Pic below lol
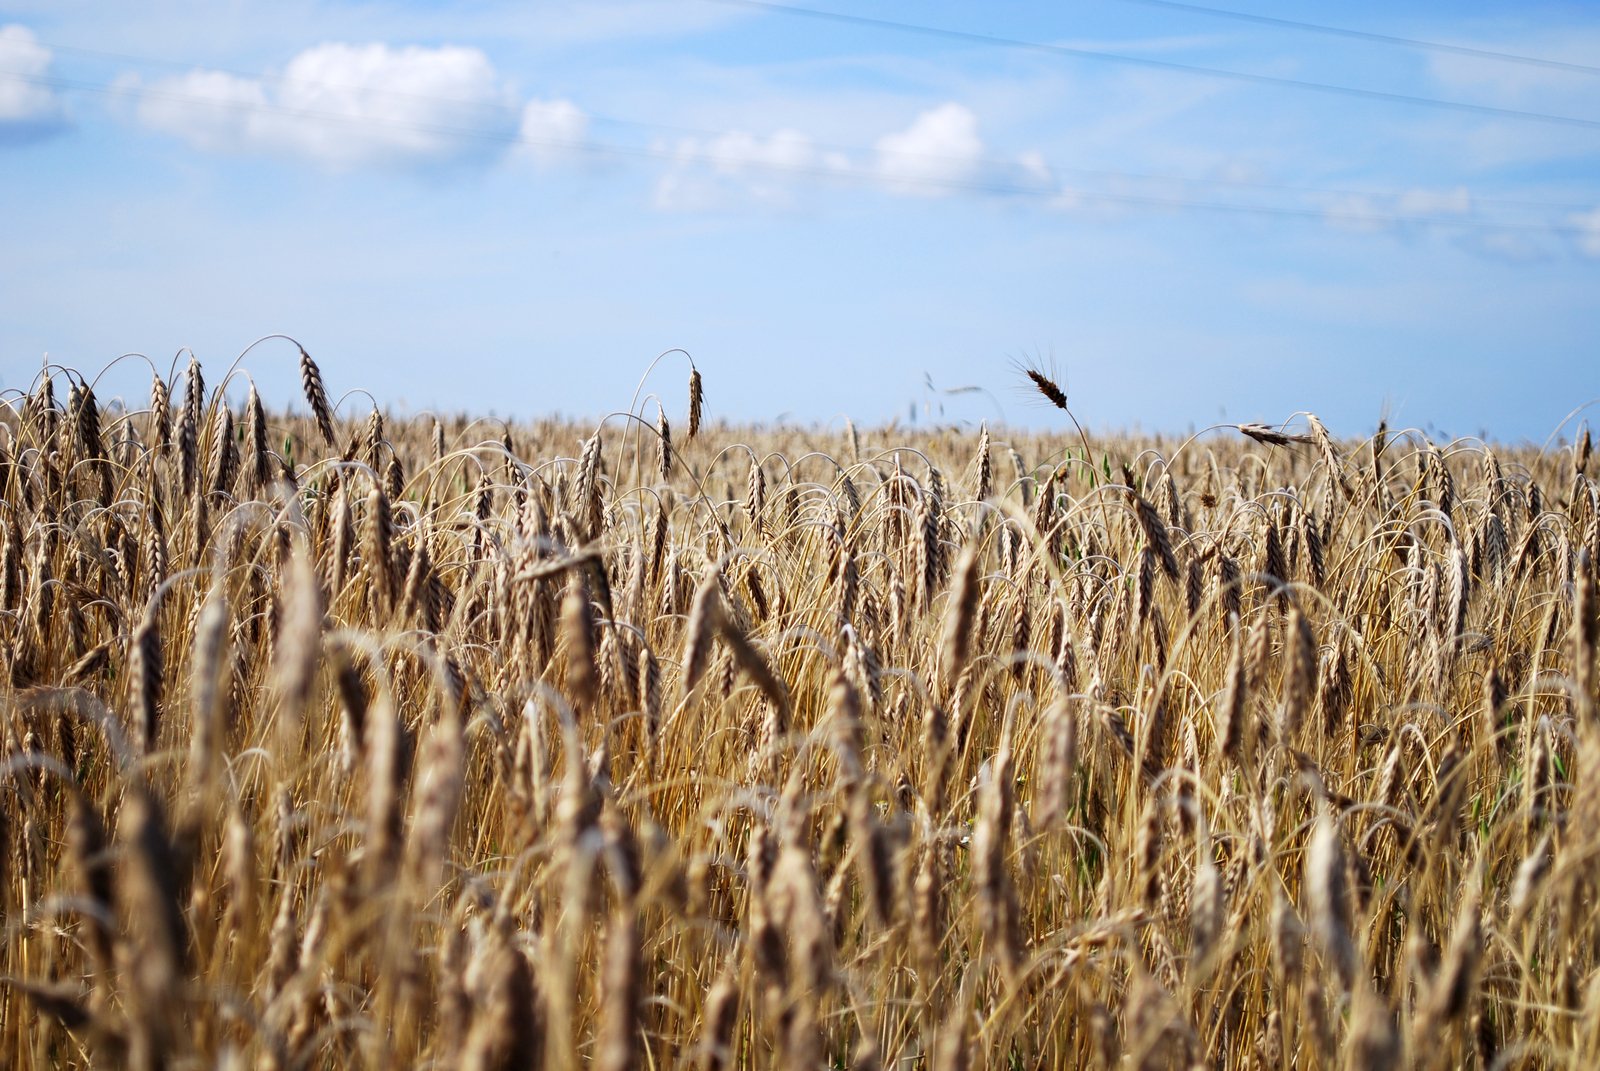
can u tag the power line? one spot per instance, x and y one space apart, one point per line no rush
970 37
1115 175
365 90
700 132
1367 35
852 174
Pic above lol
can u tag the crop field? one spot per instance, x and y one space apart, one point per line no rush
342 739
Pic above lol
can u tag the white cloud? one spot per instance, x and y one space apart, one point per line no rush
742 168
1421 211
737 152
1035 170
209 109
553 128
1355 213
1587 227
25 105
938 153
1407 210
346 106
1512 247
941 147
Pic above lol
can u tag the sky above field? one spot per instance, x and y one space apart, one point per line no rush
514 207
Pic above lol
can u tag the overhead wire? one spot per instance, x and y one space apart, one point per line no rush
1063 195
699 132
1151 63
489 104
1368 35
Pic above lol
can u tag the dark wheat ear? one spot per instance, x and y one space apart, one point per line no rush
1048 387
160 413
663 444
697 398
316 396
1261 433
256 436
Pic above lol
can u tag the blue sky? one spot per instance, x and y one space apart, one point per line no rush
515 206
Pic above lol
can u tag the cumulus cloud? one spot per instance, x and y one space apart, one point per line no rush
553 128
738 152
27 109
743 168
941 150
345 106
936 154
209 109
940 147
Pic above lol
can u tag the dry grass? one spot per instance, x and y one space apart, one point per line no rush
470 746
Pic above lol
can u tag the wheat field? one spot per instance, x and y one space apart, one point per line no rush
336 740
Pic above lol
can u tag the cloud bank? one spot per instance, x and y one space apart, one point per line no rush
344 106
939 153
